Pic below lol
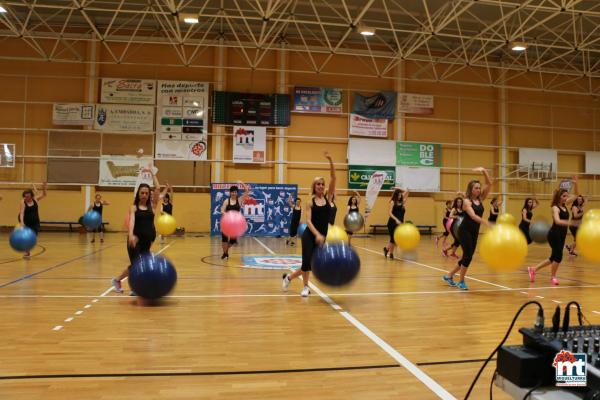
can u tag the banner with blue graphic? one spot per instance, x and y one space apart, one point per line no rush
381 105
266 207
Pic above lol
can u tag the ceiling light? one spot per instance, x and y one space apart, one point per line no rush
518 46
365 30
189 18
2 9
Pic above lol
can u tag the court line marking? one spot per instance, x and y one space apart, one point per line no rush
105 293
409 366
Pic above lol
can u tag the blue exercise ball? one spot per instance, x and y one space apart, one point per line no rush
301 229
92 220
335 264
23 239
152 276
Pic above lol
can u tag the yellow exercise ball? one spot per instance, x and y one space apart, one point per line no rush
506 218
503 248
407 236
336 234
588 239
165 224
591 215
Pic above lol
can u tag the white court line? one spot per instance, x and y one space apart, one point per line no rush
557 302
78 312
69 319
87 306
596 312
437 269
57 328
540 297
412 368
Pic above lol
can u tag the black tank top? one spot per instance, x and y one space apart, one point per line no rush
144 224
353 209
563 215
447 214
235 207
469 223
320 216
296 214
398 211
167 208
332 213
31 216
98 209
493 217
528 214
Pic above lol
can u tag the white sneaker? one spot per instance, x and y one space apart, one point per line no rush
285 283
305 292
132 293
117 285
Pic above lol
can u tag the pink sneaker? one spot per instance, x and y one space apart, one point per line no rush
531 271
445 252
453 255
554 281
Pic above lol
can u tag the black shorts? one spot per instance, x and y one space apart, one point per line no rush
227 239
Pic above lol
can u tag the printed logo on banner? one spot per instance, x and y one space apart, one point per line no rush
198 148
101 116
272 262
570 368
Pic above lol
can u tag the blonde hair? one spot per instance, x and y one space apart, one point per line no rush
317 179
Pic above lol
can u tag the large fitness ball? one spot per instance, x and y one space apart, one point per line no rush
538 231
301 229
506 218
335 264
591 215
504 247
152 276
336 234
22 239
233 224
353 222
407 236
165 224
92 220
456 224
588 240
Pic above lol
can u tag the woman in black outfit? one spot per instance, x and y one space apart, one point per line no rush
29 212
353 203
296 215
396 213
494 210
456 214
468 231
576 216
98 206
526 215
444 222
318 215
558 232
232 203
142 232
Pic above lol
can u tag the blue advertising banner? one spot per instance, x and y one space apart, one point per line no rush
266 208
317 100
381 105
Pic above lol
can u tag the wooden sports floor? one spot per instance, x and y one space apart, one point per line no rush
226 332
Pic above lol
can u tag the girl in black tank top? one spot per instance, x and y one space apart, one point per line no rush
558 232
318 215
98 206
29 211
396 213
353 203
167 203
494 210
142 232
233 202
576 216
295 222
444 222
526 216
468 231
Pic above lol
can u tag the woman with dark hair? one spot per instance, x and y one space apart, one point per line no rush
296 215
29 212
445 234
456 214
142 232
353 203
98 206
396 211
318 214
494 210
468 231
167 203
233 202
558 232
526 215
576 216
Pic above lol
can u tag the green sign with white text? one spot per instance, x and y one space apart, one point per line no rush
359 175
414 154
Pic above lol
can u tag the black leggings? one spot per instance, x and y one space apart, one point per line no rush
573 230
227 239
308 248
141 247
294 227
468 242
524 227
391 225
456 241
556 240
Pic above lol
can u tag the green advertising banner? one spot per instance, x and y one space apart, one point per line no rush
416 154
359 175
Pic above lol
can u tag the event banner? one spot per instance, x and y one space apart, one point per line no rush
380 105
7 155
413 154
418 179
415 103
266 208
231 108
361 126
128 91
359 176
317 100
72 114
124 171
249 144
126 118
181 120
